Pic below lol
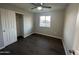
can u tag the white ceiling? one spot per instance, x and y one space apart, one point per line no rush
28 6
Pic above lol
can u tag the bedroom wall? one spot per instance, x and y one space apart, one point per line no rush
28 24
69 26
57 22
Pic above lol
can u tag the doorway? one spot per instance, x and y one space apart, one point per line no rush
19 25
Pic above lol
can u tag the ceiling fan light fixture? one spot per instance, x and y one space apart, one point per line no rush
39 8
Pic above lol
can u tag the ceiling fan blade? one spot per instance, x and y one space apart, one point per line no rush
39 4
46 6
36 4
33 7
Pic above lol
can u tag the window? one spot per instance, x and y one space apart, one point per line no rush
45 21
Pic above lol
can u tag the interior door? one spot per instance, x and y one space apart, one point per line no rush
12 26
4 26
8 26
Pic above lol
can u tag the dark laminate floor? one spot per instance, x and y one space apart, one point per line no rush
35 45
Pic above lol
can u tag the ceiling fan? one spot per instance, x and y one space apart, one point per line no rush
39 6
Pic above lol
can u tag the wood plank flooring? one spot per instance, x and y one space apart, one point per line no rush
35 44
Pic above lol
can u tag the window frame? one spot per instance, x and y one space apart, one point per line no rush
45 21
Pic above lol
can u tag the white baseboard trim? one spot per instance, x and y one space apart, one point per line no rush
27 35
65 48
49 35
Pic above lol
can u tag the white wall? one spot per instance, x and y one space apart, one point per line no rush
69 26
76 39
57 22
28 24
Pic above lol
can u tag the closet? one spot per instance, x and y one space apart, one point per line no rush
8 26
19 25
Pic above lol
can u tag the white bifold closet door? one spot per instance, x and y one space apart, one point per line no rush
8 26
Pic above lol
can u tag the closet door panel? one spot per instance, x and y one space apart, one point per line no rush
12 27
9 26
4 26
8 21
